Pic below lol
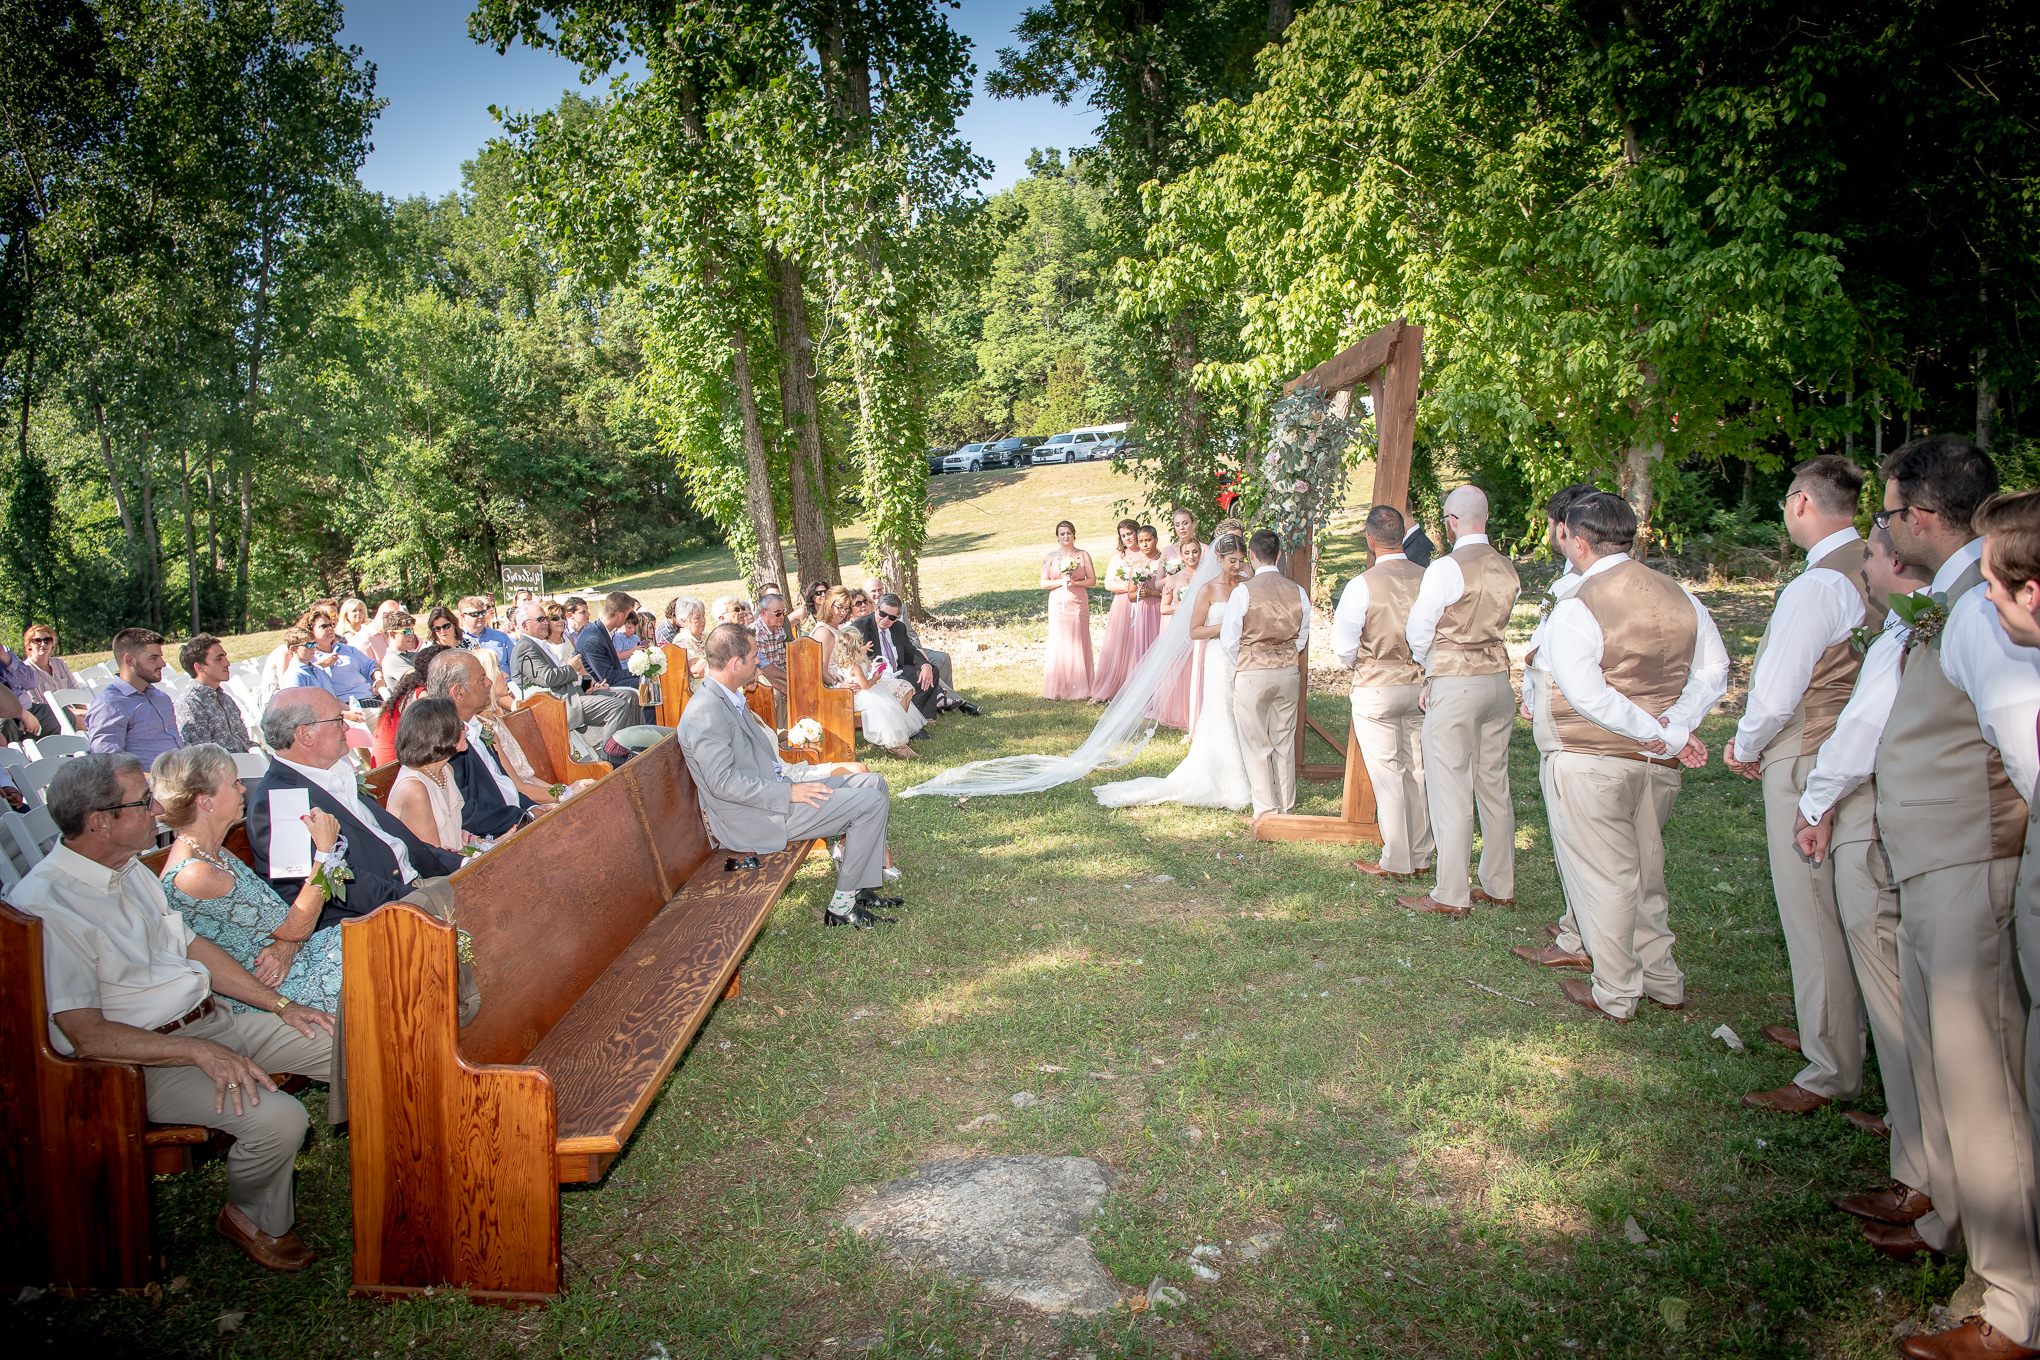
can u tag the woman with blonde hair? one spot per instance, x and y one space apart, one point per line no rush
509 754
889 716
224 900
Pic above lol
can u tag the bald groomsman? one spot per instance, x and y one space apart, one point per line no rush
1804 671
1637 663
1370 636
1565 949
1956 751
1455 633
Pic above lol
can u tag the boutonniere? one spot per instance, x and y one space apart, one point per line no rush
1546 605
488 736
1925 615
1861 636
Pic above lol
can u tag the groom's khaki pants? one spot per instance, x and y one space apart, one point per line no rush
1466 761
1612 813
1264 709
1388 724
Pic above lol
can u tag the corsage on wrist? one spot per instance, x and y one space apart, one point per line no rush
331 872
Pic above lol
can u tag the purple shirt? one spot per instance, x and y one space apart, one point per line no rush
141 722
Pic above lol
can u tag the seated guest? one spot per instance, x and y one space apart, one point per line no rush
577 616
128 981
304 727
46 672
300 670
690 617
887 639
274 665
510 754
383 734
442 629
12 715
278 942
493 805
353 619
375 639
670 624
772 638
205 711
598 710
24 682
424 797
808 610
624 637
475 630
945 672
400 646
597 647
352 670
132 714
557 639
731 609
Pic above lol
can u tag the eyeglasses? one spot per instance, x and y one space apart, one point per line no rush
1882 519
1786 504
321 722
443 623
142 801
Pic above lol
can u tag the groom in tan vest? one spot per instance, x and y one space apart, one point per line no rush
1266 628
1455 632
1370 636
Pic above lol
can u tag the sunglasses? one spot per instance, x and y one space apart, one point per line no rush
472 613
889 618
443 623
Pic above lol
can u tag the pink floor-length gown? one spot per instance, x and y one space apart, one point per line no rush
1178 692
1067 674
1130 629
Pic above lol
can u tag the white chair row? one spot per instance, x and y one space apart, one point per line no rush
24 840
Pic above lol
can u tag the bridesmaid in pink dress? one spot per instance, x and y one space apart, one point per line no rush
1173 703
1068 672
1115 660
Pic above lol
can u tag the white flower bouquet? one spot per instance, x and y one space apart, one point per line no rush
1069 567
647 662
806 732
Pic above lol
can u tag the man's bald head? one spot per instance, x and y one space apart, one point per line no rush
1466 509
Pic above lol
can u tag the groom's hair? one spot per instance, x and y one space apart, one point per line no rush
726 642
1265 545
1385 525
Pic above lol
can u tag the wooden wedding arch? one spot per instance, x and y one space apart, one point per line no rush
1389 362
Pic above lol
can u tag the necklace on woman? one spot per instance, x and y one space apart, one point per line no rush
437 776
204 856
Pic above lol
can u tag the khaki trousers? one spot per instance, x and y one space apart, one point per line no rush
1868 902
1466 763
1613 813
1824 992
1965 1026
1568 937
1264 709
1388 724
266 1136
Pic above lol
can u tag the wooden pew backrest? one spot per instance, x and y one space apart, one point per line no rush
676 686
807 696
540 726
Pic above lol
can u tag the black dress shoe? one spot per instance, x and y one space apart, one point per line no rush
867 897
972 709
858 917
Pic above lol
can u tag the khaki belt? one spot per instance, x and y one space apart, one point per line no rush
196 1014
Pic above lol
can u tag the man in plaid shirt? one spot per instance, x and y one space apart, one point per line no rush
771 633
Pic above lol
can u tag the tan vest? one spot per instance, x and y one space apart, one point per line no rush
1648 635
1274 618
1384 657
1834 671
1943 799
1470 630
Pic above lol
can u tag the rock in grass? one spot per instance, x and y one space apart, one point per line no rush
1014 1224
1636 1235
1261 1246
1729 1037
1022 1099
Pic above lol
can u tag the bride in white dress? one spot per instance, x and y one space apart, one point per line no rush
1214 774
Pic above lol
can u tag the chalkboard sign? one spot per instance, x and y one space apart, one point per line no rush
530 576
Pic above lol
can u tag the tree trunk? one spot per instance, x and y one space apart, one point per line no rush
127 521
1638 489
1280 12
212 511
769 563
190 536
155 575
807 477
1986 405
241 557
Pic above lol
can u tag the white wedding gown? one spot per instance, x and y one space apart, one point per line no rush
1214 774
885 722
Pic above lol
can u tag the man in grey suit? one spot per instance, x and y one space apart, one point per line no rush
753 803
532 666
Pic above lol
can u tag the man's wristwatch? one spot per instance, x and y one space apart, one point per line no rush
283 1003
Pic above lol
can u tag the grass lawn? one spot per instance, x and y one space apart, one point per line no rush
1249 1038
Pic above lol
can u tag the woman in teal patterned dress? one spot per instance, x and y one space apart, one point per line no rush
223 899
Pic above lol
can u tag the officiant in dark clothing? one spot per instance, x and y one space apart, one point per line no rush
889 642
1416 544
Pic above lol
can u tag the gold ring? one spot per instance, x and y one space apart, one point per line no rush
233 1086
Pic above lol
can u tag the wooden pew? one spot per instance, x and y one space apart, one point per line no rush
540 726
676 686
808 697
595 972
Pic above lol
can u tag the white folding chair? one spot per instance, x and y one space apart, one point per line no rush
9 873
14 758
50 748
34 831
62 700
251 764
33 779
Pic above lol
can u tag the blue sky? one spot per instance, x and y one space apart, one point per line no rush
440 83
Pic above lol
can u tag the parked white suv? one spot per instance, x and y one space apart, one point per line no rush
1072 446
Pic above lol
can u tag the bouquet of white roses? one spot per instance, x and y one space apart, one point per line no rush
1173 565
806 732
1069 567
1140 576
648 662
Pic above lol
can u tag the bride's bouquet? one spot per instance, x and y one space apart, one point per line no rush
1173 565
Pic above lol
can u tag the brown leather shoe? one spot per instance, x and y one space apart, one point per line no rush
1554 931
1431 904
1580 992
1665 1005
1872 1124
1783 1035
1896 1204
1480 896
1551 956
272 1253
1973 1339
1899 1241
1370 867
1791 1098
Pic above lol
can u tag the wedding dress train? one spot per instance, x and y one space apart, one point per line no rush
1214 774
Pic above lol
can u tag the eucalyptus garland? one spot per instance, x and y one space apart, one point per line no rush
1303 473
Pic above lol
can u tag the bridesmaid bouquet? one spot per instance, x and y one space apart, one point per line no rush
1069 567
1173 565
1140 576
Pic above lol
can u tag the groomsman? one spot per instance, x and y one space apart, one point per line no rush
1266 627
1804 670
1565 949
1370 636
1865 896
1958 747
1637 663
1455 633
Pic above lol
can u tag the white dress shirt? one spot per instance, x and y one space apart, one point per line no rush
1236 617
111 943
337 781
1849 756
1444 584
1571 651
1350 618
1814 612
2001 678
1563 587
504 783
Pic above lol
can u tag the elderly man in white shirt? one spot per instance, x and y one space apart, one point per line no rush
127 981
1800 681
